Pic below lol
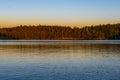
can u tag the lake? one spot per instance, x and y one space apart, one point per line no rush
59 60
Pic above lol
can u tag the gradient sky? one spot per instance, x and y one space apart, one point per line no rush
59 12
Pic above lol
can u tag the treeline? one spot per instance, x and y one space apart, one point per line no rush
43 32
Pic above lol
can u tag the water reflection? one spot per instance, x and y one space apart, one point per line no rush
59 51
58 61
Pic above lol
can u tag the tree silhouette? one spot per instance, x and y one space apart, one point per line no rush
44 32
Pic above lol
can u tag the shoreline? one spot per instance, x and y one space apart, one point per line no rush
59 41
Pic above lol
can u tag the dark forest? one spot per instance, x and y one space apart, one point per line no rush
44 32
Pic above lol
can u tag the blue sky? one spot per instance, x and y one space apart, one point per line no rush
59 12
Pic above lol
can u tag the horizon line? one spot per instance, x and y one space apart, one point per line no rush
56 25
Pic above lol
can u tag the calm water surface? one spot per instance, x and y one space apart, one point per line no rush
56 60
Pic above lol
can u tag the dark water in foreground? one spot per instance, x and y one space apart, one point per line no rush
44 60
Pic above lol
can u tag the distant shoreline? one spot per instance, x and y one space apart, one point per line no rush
59 41
54 40
41 32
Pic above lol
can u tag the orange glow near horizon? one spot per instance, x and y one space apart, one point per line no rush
74 13
73 23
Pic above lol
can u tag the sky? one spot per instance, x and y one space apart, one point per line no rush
59 12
